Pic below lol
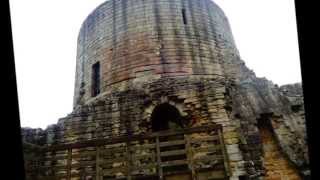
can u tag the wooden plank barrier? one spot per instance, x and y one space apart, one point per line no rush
128 157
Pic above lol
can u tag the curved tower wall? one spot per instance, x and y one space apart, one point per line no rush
143 40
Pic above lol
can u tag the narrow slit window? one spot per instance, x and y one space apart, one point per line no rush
95 86
184 17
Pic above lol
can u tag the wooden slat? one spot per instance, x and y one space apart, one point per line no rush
200 140
54 158
55 167
113 160
98 163
136 157
172 143
111 151
114 170
143 147
208 158
173 153
83 154
84 164
189 156
174 163
160 170
147 166
209 148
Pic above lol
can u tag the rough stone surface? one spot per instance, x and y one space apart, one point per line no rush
277 167
34 136
150 56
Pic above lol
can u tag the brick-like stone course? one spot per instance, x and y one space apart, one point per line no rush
146 38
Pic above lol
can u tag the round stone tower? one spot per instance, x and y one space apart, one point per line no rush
138 42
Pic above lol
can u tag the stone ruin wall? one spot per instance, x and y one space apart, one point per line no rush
195 67
128 112
259 101
90 122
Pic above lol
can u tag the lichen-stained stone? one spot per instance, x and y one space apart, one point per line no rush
180 53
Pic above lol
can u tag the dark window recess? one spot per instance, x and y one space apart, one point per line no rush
296 108
95 86
184 16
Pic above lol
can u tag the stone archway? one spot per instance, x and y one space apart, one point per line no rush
166 116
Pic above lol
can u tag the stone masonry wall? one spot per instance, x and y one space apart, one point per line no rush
258 99
201 101
34 136
138 39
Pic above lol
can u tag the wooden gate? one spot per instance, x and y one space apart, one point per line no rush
193 153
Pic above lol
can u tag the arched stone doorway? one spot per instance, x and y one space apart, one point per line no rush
166 117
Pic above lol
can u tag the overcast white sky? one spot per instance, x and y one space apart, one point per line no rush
45 38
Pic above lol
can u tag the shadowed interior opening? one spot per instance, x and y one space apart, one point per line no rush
165 117
95 86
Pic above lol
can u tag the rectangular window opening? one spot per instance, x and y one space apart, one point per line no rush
95 88
184 16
